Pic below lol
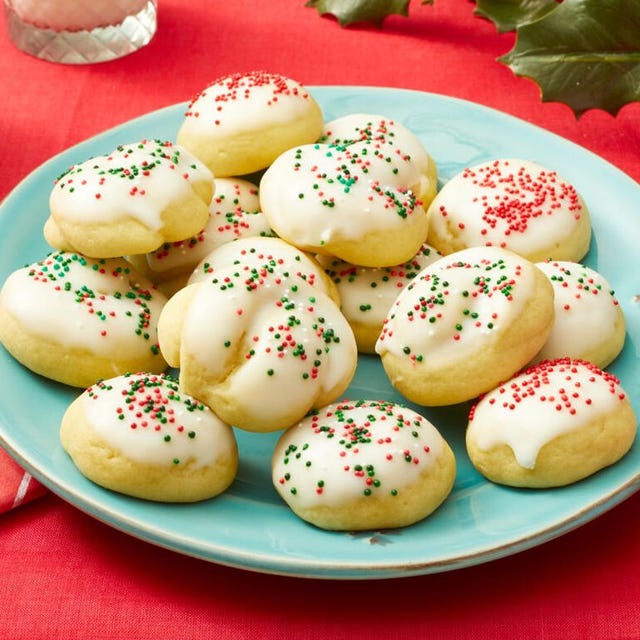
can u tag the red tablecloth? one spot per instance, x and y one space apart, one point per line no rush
65 575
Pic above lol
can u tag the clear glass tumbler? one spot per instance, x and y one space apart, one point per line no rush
80 31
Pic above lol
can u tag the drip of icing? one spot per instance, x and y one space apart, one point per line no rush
542 403
137 180
85 303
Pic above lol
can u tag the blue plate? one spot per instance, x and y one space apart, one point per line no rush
249 527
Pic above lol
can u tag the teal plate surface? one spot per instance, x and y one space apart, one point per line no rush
249 527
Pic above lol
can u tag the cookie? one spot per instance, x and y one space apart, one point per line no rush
139 435
361 465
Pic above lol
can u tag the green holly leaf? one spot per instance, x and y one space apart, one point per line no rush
508 15
372 11
584 53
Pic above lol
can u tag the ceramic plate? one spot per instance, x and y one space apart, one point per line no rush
249 527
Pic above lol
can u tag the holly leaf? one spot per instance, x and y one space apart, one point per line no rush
584 53
372 11
508 15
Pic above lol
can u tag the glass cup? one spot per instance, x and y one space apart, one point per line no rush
80 31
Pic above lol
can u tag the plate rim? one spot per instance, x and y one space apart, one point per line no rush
291 566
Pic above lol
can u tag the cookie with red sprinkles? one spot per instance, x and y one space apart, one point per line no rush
140 435
240 123
365 464
555 423
513 204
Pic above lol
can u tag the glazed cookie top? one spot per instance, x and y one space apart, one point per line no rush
147 419
138 180
509 203
257 252
100 305
367 293
542 403
316 194
237 101
457 303
274 331
586 310
235 213
351 450
387 136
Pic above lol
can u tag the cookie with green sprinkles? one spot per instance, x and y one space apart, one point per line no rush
140 435
259 345
129 201
361 465
76 319
358 202
467 322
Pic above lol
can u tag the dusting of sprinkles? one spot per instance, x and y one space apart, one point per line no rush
513 196
128 163
576 282
368 444
541 382
459 298
227 91
60 272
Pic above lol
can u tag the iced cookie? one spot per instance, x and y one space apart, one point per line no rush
240 123
589 322
513 204
259 347
138 434
363 465
367 293
129 201
356 203
467 322
556 423
75 319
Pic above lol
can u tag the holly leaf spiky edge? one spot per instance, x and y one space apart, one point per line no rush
583 53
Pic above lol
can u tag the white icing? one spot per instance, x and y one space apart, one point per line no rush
255 252
586 311
367 293
234 213
240 102
137 180
276 342
351 450
541 404
386 133
84 303
155 423
510 203
457 304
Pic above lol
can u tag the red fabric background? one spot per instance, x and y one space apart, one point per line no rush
65 575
